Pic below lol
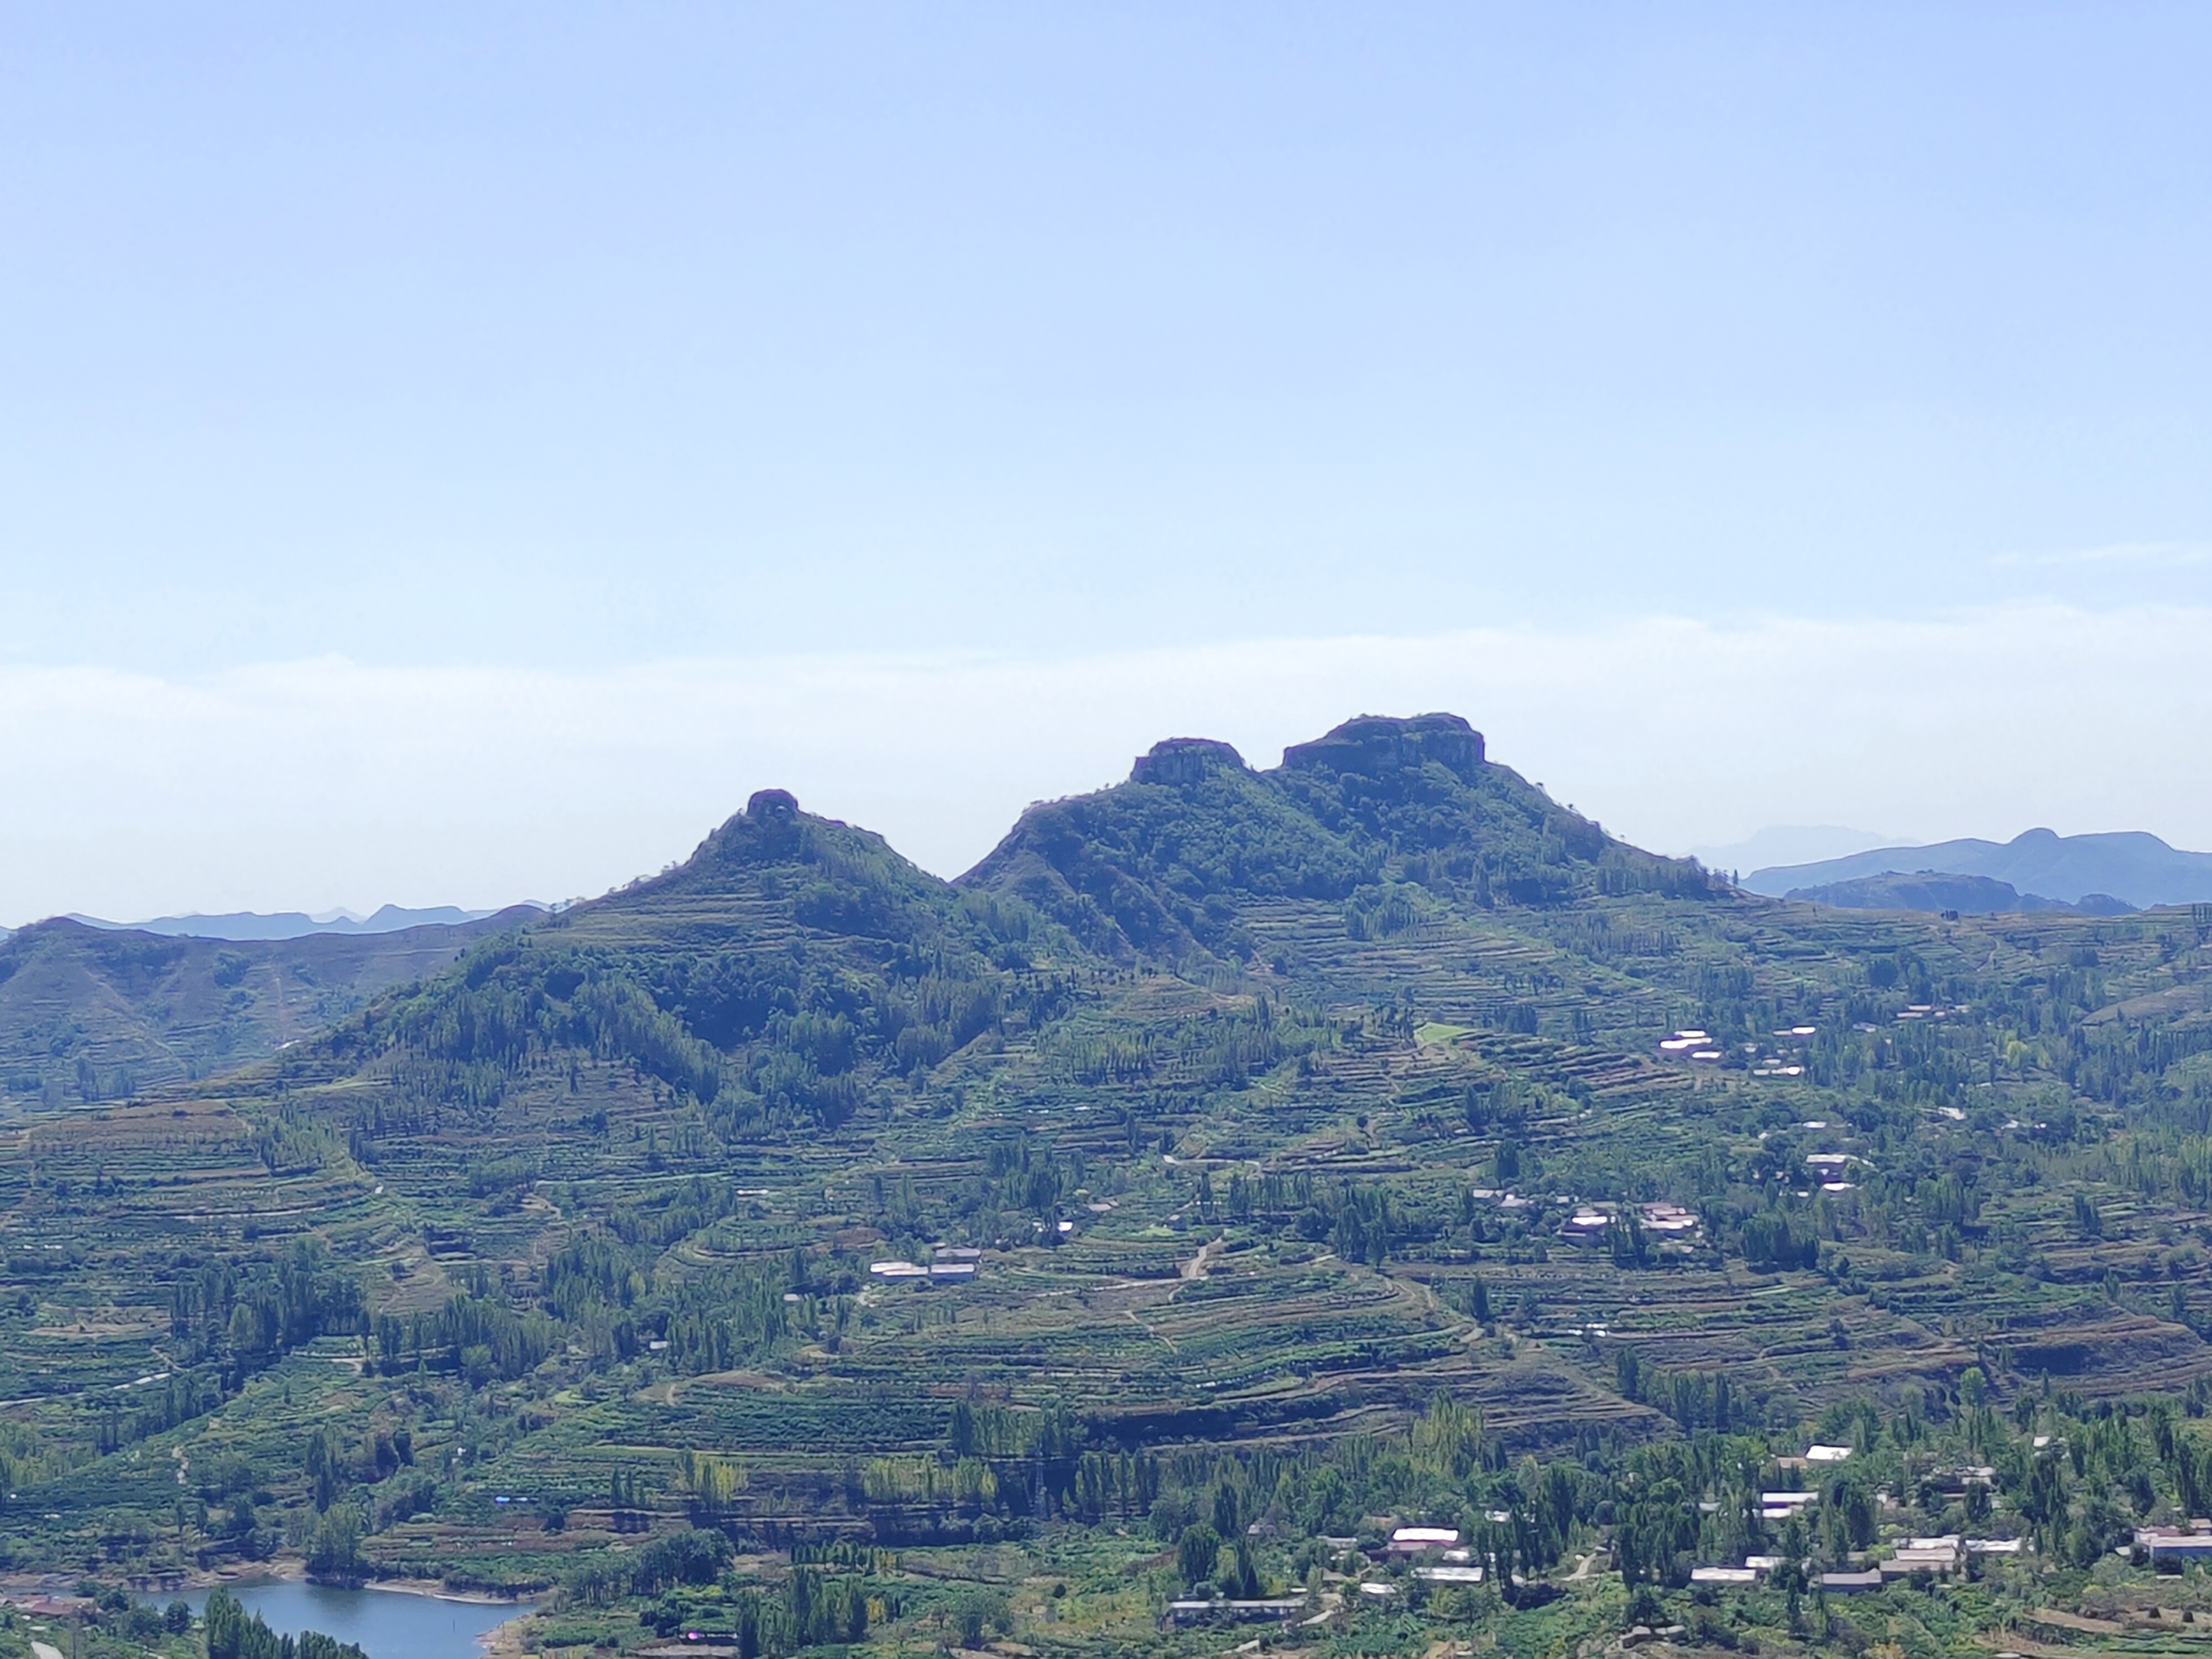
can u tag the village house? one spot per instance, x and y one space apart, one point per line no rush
1939 1556
2174 1546
1421 1540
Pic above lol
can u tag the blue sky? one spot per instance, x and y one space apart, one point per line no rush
486 352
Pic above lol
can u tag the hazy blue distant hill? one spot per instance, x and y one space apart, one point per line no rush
1931 889
292 924
100 1013
2132 865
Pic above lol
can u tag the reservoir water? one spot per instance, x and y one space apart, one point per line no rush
387 1624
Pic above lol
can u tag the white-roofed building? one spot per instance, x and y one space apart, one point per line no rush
1722 1575
1450 1575
1418 1540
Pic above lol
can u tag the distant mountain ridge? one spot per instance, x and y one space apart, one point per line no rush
93 1013
242 924
2131 865
1965 896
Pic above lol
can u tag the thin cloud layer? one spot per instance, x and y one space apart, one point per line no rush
324 783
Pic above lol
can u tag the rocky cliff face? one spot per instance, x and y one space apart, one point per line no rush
1376 745
1182 761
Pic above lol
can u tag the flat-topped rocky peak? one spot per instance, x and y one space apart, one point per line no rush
1183 761
1376 745
772 803
770 830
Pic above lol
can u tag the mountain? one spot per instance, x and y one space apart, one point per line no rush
1930 890
2136 868
89 1014
1386 816
792 972
240 925
800 1249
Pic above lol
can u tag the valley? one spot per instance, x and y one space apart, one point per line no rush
89 1014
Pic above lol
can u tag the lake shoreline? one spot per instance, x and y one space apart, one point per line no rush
505 1641
437 1592
258 1575
412 1618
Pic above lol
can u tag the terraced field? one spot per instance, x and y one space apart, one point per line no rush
1264 1112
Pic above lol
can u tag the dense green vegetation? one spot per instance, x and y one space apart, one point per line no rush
1299 1158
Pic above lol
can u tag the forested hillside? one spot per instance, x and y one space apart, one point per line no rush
1234 1167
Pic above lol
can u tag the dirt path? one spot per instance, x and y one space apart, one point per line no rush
2061 1620
2005 1641
505 1641
1332 1603
1188 1273
1195 1268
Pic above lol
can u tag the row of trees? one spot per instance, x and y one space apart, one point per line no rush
233 1633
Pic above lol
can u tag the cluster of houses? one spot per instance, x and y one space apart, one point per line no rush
1446 1563
1589 1224
1441 1558
1453 1565
1690 1045
1198 1610
1437 1556
946 1262
1831 1168
39 1604
1703 1049
1781 1505
1915 1558
1788 1064
1500 1197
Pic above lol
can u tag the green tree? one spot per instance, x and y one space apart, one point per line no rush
334 1547
1196 1551
1224 1511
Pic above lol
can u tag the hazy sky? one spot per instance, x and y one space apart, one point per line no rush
448 454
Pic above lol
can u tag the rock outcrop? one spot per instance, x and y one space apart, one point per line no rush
1181 762
1375 745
